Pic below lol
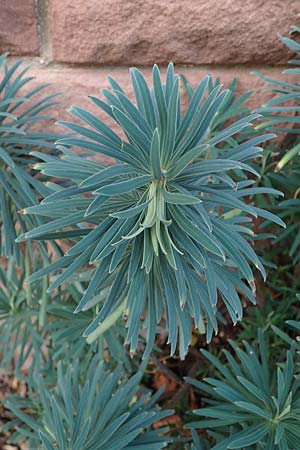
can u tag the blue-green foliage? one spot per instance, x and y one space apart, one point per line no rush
164 234
20 341
40 333
94 411
281 115
166 228
251 405
21 108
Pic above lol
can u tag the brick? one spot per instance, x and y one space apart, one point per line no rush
18 27
184 31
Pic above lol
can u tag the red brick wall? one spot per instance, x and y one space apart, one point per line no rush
74 44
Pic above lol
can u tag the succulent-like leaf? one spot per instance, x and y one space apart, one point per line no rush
97 411
158 224
21 337
250 404
281 114
19 186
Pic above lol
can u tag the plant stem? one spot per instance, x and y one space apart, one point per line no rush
106 324
28 289
44 303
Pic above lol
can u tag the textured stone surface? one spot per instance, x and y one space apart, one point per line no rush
18 27
126 32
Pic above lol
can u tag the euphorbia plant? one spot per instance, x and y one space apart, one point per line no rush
89 409
166 228
281 114
251 405
21 108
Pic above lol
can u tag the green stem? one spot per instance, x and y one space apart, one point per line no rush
106 324
44 303
27 273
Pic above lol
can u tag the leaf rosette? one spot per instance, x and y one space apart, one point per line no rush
252 403
21 108
166 227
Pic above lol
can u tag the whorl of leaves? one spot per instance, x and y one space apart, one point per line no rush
36 332
21 108
99 413
251 405
166 228
20 340
281 114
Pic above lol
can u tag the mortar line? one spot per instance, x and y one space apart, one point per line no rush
53 65
41 7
